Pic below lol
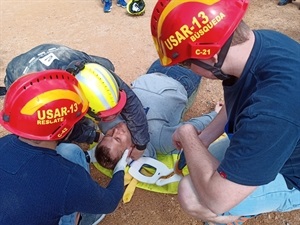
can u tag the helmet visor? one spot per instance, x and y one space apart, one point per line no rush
110 114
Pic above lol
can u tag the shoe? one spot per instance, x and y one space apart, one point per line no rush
284 2
107 5
90 219
121 3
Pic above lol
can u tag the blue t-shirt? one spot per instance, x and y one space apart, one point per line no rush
263 111
38 186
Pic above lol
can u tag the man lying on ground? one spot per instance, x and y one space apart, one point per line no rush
166 94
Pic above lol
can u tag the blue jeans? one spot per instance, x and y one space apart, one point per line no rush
187 78
75 154
272 197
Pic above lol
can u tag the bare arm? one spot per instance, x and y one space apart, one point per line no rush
215 128
217 193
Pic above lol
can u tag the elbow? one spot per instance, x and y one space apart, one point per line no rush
113 205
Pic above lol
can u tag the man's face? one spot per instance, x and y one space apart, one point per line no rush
118 139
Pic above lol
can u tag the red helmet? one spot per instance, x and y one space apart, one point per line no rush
193 29
43 105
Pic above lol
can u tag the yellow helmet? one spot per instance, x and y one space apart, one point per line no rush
102 91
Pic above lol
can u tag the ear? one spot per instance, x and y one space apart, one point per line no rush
215 58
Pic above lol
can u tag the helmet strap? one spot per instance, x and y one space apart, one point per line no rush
76 66
216 68
93 115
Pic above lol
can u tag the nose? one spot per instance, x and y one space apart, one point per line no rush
117 131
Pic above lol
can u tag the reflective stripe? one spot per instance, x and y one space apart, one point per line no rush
99 87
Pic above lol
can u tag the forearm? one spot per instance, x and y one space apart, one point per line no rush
116 189
202 121
101 199
214 129
196 151
202 167
137 123
214 191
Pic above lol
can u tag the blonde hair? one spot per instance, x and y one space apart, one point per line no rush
241 34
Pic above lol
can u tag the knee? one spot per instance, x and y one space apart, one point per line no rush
156 67
185 196
190 202
70 151
73 153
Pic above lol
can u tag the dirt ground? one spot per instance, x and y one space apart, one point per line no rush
127 42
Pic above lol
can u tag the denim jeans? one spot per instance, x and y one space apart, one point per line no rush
75 154
272 197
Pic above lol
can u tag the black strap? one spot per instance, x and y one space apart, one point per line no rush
93 115
3 91
223 52
216 68
76 66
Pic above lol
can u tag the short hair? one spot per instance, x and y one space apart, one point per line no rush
241 34
103 157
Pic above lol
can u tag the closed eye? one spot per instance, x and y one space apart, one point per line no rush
118 140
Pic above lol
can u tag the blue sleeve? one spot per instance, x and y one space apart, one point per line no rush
83 194
202 121
256 158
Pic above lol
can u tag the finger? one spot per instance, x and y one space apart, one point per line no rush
177 144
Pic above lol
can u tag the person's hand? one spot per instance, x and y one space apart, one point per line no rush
136 154
176 140
181 132
121 165
218 107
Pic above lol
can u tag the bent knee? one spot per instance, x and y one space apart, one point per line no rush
186 195
190 202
